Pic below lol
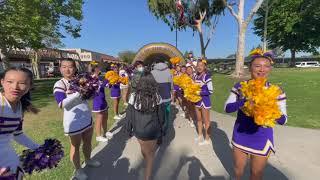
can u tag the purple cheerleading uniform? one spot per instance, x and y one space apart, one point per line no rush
248 136
115 91
99 103
205 82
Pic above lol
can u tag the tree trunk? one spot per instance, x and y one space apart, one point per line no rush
35 65
265 32
4 58
293 57
240 52
203 51
199 28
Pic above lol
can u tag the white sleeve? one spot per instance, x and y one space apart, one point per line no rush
231 99
210 87
71 101
283 106
62 99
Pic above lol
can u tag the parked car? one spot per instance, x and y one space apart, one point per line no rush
305 64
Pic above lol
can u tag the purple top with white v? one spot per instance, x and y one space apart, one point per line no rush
248 136
115 90
99 102
205 82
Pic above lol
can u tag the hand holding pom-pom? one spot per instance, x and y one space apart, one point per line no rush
85 84
82 81
46 156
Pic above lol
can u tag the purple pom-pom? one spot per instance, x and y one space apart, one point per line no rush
46 156
85 84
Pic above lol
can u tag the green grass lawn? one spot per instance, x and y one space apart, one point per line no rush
301 87
48 124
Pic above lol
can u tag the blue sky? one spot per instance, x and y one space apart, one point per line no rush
111 26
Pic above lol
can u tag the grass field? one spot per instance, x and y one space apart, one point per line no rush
301 87
48 124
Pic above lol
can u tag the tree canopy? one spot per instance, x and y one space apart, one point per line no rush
127 56
35 24
292 25
182 14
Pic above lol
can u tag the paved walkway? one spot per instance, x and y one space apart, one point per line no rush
179 157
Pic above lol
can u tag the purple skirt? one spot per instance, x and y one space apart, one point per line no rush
205 102
99 105
251 138
115 91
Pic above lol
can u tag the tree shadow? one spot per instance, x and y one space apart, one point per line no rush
223 150
195 169
166 140
112 167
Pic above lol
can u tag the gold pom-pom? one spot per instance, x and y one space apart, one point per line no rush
261 101
175 60
112 77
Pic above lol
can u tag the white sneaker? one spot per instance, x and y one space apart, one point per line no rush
93 163
109 135
122 115
205 142
117 117
79 175
199 138
191 124
101 139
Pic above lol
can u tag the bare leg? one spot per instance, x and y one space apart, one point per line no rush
257 165
86 148
124 94
199 122
116 106
240 161
75 142
101 122
148 149
105 121
191 110
206 118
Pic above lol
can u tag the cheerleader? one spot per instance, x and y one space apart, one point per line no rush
115 94
203 106
100 107
16 83
190 107
177 90
77 120
250 140
124 87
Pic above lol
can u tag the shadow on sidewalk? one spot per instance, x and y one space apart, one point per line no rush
194 170
112 167
221 146
166 142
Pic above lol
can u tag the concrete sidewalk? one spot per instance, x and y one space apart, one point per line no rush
179 157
